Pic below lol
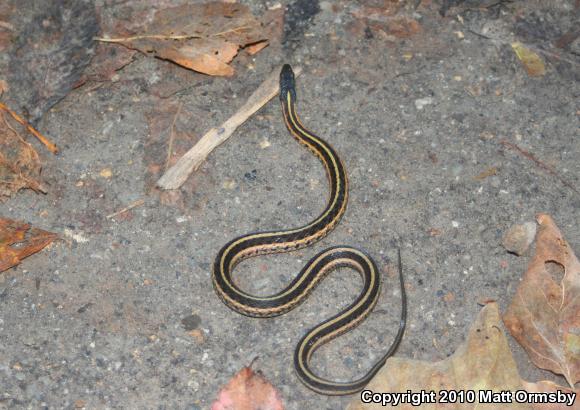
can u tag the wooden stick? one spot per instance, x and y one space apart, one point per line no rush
175 176
132 205
51 147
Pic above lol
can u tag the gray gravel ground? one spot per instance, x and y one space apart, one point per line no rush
122 313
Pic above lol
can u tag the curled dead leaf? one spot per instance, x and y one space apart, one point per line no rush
18 241
483 362
201 37
210 58
551 388
532 62
248 391
384 19
544 315
19 162
253 49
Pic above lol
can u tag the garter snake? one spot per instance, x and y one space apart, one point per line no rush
316 269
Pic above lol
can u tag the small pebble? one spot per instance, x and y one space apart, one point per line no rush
495 181
265 143
252 175
422 102
519 238
229 184
191 322
197 335
106 173
348 362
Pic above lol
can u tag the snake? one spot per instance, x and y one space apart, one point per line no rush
315 270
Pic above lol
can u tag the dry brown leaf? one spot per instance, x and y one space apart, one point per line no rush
256 48
248 391
384 19
550 387
201 37
532 62
482 366
19 162
491 171
483 362
545 313
18 241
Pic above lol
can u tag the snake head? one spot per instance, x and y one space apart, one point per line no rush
287 83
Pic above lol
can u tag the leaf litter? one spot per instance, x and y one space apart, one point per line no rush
18 241
19 162
475 364
248 390
531 61
483 363
201 37
544 315
384 20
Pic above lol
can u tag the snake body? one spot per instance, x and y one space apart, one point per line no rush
316 269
